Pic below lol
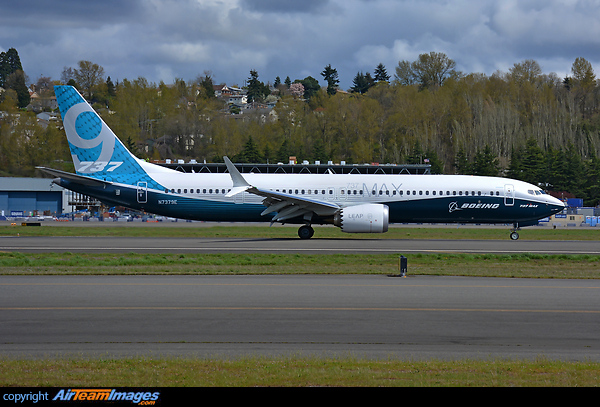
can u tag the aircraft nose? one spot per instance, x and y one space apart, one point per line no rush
557 202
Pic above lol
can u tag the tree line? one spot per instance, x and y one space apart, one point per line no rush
524 123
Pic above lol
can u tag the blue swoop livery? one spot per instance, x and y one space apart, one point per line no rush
357 203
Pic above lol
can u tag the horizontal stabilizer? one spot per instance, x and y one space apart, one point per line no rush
80 179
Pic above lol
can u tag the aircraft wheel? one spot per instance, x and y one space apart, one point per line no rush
514 235
306 232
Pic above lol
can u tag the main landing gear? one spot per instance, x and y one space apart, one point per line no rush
306 232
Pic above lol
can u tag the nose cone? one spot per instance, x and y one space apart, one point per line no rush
555 204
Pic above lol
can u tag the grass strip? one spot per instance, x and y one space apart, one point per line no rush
525 265
296 371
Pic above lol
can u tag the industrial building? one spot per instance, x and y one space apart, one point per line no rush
26 197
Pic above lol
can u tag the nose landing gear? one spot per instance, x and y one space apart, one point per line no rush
513 233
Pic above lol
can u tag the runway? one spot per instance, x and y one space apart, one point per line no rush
415 318
292 245
419 317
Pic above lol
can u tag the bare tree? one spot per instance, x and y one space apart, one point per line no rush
88 77
429 70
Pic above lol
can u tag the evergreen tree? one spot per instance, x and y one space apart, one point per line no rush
574 172
206 88
256 89
486 163
284 152
417 154
555 172
592 185
318 151
381 74
533 163
16 82
461 163
437 167
331 77
362 83
9 64
250 153
110 88
13 77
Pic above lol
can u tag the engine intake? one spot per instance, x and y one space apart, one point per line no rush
367 218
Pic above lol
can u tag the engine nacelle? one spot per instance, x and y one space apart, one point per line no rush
367 218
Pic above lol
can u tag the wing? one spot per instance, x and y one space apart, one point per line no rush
284 206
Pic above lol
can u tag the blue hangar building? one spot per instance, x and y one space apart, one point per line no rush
24 197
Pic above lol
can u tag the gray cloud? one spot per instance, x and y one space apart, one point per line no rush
284 6
167 39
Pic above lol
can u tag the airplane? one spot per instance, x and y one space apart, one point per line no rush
356 203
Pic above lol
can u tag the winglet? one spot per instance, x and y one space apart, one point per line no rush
239 183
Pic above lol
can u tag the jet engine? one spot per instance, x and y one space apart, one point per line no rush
367 218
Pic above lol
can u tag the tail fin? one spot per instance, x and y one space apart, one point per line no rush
96 151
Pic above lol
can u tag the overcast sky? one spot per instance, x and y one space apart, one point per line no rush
167 39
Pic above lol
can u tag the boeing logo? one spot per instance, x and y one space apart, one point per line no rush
453 206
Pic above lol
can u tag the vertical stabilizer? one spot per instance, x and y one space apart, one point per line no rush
95 149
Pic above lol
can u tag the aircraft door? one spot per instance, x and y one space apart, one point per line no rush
509 195
142 192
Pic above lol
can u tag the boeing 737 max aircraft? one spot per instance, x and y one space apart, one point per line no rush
356 203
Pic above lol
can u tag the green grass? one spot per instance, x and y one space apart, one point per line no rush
524 265
296 372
